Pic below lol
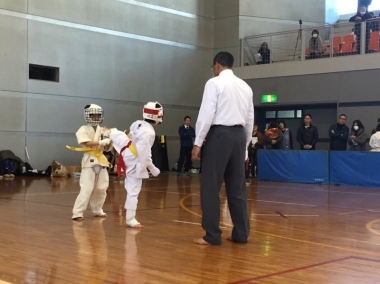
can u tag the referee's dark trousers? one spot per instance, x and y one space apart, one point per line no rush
223 159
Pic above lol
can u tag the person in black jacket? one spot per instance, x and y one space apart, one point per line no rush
338 134
186 134
307 134
361 16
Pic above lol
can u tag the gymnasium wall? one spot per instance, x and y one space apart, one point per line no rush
118 54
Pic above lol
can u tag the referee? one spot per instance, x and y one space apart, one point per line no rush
225 119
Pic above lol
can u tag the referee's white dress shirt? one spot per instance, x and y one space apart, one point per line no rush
227 100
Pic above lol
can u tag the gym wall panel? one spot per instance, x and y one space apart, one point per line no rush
13 54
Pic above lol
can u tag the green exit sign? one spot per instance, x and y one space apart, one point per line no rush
268 98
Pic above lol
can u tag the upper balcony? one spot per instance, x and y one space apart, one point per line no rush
341 47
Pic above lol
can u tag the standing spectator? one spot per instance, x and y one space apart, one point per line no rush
358 138
265 53
378 123
374 142
361 16
315 45
273 136
253 148
186 134
338 134
287 140
307 134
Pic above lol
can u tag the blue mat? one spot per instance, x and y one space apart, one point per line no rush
293 166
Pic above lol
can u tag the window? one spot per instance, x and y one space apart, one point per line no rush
45 73
285 114
271 114
299 113
351 6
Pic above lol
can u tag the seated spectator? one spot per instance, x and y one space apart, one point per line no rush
307 134
374 130
358 137
374 142
287 141
265 53
315 45
273 136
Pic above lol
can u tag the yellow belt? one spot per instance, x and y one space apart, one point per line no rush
96 153
133 150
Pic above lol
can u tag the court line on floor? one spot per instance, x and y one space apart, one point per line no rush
182 205
246 281
191 223
372 230
315 190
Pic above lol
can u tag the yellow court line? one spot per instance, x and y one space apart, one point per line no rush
372 230
182 205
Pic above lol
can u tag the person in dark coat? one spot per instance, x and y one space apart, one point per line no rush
338 134
374 130
358 138
307 134
361 16
187 135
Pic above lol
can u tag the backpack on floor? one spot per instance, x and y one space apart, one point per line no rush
8 167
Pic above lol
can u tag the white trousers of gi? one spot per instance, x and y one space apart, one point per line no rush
133 188
93 189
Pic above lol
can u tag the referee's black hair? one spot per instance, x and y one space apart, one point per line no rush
225 59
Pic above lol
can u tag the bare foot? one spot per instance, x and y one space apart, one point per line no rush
200 241
104 215
78 219
138 226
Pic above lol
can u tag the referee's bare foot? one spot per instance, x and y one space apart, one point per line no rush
200 241
230 239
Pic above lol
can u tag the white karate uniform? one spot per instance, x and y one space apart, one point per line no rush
143 136
94 179
374 142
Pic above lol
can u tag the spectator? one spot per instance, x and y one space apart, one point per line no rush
273 136
253 148
287 141
186 134
307 134
315 45
378 123
265 53
338 134
374 142
358 138
361 16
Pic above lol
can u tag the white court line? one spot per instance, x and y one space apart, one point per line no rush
298 204
191 223
285 215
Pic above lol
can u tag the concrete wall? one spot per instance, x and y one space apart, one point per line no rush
118 54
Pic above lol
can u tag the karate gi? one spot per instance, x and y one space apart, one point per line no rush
94 179
143 136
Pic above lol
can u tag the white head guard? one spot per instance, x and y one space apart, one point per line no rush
91 109
153 111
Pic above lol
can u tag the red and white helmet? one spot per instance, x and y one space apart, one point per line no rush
89 111
153 111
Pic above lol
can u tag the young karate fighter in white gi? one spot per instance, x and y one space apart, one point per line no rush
94 178
136 156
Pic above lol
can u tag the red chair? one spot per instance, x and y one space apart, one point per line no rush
337 43
348 44
307 51
374 42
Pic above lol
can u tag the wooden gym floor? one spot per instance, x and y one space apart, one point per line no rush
299 234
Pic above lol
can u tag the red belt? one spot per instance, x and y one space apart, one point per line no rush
120 162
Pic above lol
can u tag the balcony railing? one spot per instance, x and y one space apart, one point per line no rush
341 39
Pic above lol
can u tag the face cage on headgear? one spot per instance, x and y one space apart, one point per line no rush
90 111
